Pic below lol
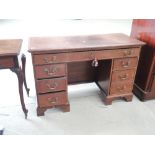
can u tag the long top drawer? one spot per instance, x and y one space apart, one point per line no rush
84 56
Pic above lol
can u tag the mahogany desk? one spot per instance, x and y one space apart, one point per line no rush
108 60
9 51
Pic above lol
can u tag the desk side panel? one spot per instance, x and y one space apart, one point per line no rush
103 75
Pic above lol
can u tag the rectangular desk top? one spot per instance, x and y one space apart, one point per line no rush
10 47
79 43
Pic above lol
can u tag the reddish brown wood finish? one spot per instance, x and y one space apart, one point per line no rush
10 47
9 51
48 71
51 85
7 62
115 56
103 75
52 99
67 44
126 63
144 29
121 88
40 59
123 75
80 72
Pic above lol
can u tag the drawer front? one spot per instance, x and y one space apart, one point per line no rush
47 71
51 85
52 99
125 63
117 53
84 56
49 58
121 88
7 62
63 57
120 76
102 54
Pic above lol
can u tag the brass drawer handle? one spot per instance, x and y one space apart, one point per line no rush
50 60
53 100
128 52
52 86
120 89
50 71
124 77
125 64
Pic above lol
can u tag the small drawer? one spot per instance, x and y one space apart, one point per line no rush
7 62
119 76
125 63
49 58
121 88
52 99
51 85
117 53
47 71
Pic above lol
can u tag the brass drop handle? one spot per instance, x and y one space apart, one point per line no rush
128 52
121 88
125 63
50 71
124 77
53 100
52 86
50 60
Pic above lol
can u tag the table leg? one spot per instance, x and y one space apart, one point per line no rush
23 59
20 76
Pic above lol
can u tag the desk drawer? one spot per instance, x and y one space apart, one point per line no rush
123 75
102 54
7 62
124 63
84 56
47 71
52 99
49 58
51 85
63 57
121 88
117 53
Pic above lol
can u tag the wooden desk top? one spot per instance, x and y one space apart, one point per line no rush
78 43
10 47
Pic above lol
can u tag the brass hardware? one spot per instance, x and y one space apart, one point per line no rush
53 100
121 88
50 60
50 71
124 77
52 86
94 63
128 52
125 64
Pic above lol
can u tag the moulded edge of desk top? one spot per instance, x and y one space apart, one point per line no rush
81 43
9 47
